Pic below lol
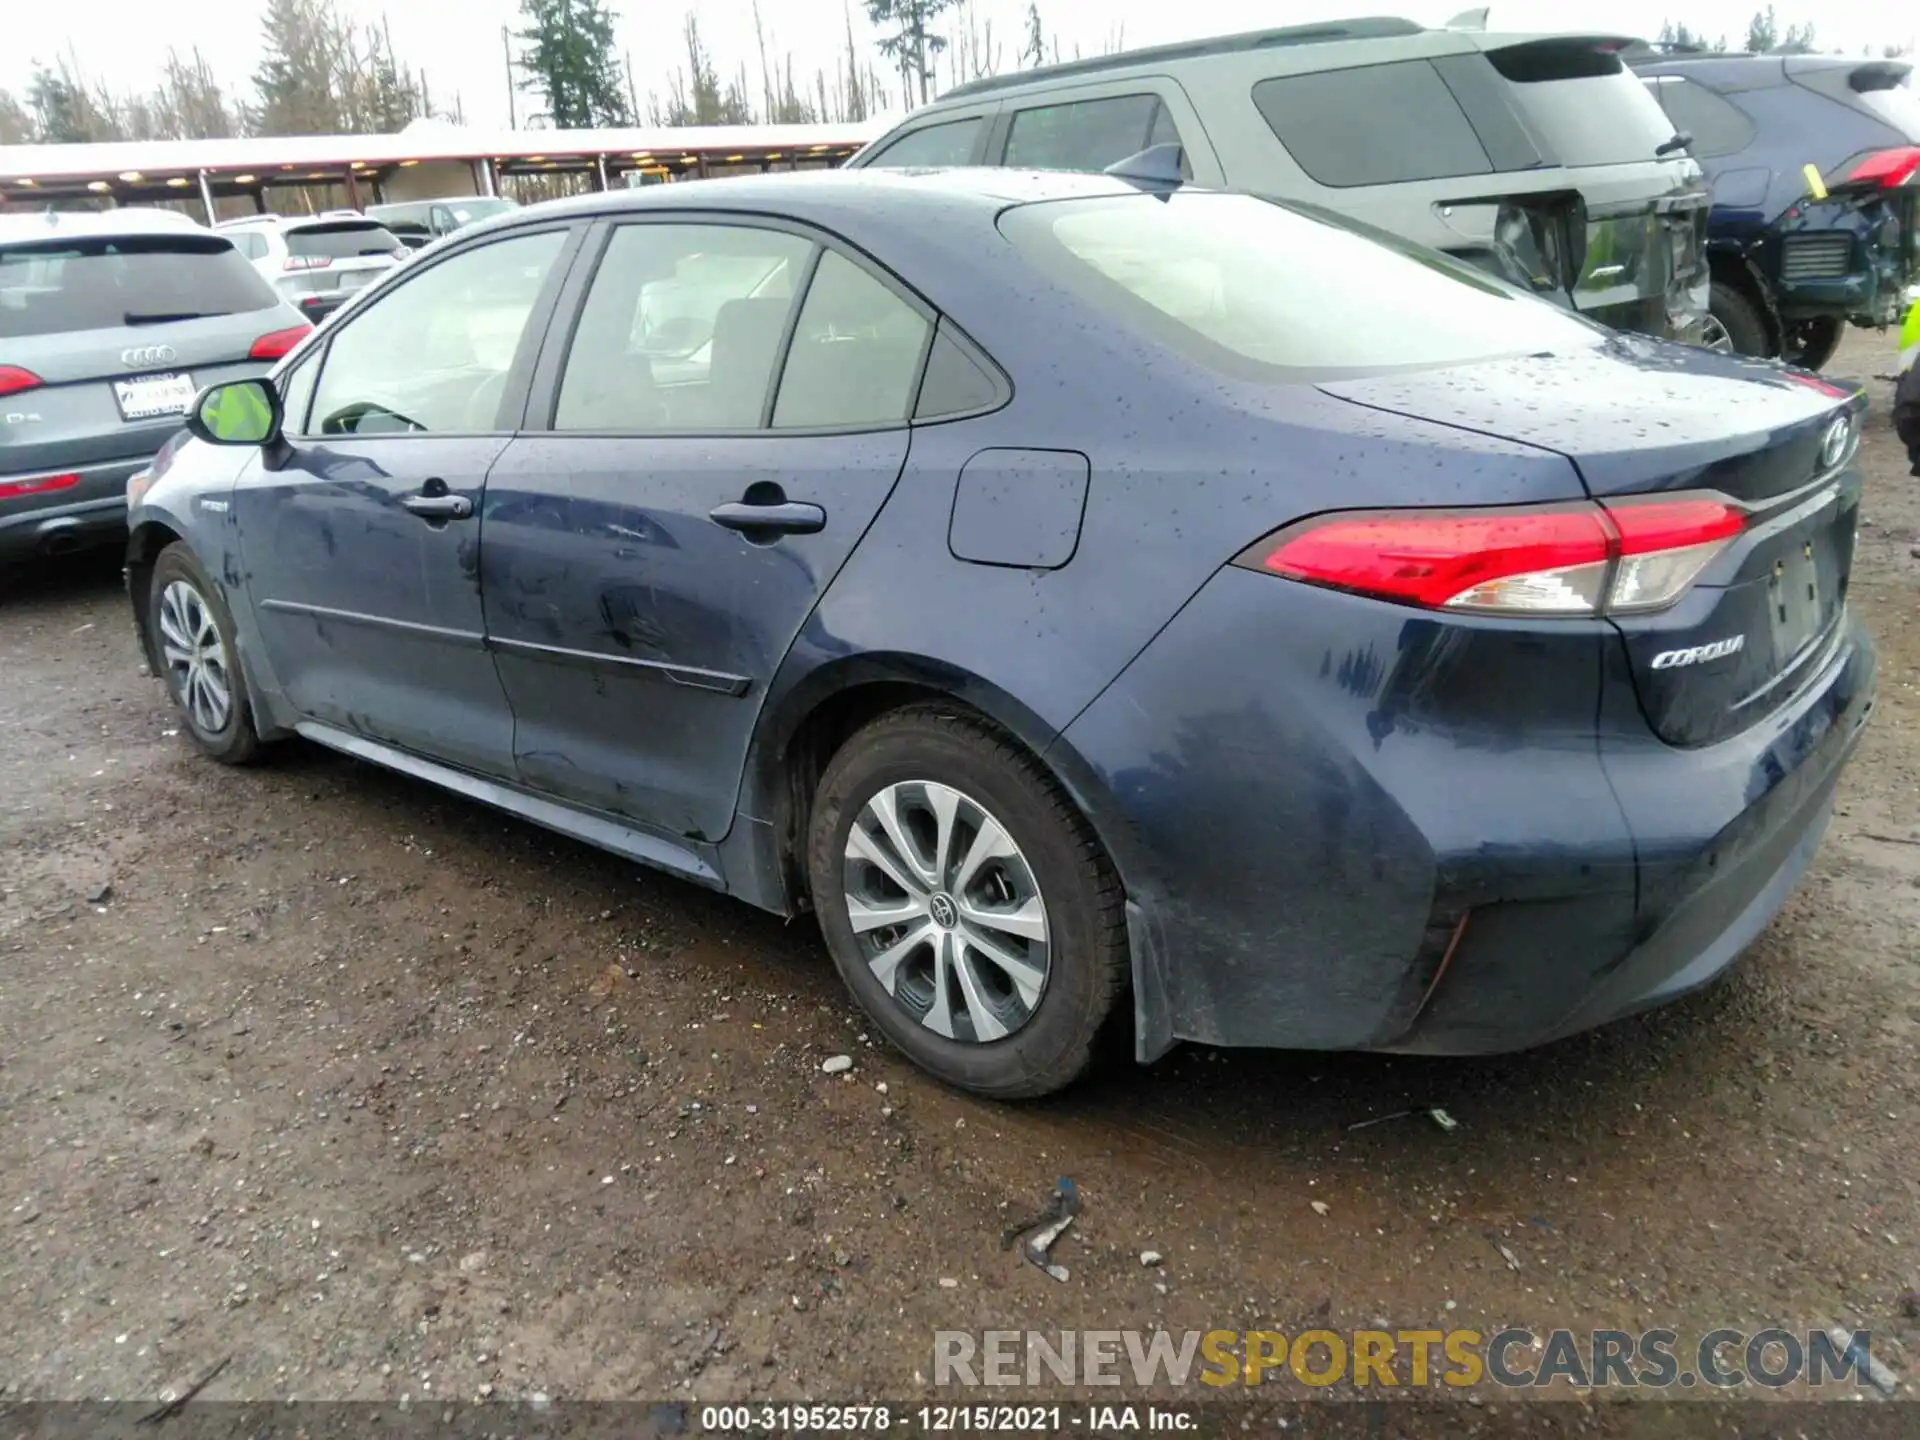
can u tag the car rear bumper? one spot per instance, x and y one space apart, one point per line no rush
1339 849
1723 835
94 512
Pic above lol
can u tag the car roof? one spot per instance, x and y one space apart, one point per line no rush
982 190
1370 28
296 222
17 229
1376 37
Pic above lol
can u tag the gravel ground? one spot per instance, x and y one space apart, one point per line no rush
380 1093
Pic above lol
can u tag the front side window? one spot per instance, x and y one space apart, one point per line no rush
1265 291
682 329
433 353
296 393
855 354
344 240
949 143
1372 125
1087 135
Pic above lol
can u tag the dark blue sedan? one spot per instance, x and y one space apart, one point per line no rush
1099 602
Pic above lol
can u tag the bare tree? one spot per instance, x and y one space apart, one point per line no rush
694 96
16 125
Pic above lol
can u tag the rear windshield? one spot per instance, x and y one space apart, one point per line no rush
99 283
1898 107
1586 107
465 212
343 241
1252 287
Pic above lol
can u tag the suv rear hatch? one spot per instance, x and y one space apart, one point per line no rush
343 255
1881 183
1756 445
104 341
1632 242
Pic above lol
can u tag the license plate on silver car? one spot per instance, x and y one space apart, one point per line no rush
152 396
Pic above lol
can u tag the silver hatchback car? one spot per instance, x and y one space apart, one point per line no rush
110 323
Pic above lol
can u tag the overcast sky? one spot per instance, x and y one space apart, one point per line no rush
122 41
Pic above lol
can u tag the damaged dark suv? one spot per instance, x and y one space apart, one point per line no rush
1797 256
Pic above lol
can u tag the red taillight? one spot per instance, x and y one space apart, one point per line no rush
39 485
1564 560
306 262
275 343
13 380
1887 168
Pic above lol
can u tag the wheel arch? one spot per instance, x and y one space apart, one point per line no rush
144 543
803 728
1735 270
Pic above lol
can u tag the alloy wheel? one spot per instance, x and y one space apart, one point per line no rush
1714 336
198 667
946 910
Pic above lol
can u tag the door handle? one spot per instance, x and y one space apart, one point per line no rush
788 517
438 507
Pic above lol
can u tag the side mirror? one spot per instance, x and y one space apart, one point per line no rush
240 412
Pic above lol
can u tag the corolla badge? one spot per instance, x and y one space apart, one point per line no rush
1699 654
1833 444
143 355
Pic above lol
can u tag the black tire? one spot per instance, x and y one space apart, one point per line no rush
234 741
1086 963
1744 321
1811 343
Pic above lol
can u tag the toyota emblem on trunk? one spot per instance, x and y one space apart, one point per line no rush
1833 445
143 355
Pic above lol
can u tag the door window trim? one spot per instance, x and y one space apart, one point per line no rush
550 369
519 374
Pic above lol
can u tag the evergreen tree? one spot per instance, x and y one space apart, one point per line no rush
571 55
301 41
912 43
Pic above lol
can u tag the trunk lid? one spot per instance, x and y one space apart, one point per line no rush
1640 419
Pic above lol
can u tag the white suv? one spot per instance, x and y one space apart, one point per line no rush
316 261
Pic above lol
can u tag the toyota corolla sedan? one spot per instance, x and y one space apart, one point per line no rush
1099 601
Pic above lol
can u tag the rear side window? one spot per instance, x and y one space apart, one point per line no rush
344 241
1374 125
1585 106
1087 135
1716 125
950 143
855 355
1260 290
100 283
955 382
